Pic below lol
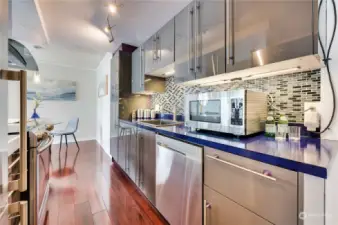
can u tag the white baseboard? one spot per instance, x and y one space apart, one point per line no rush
71 140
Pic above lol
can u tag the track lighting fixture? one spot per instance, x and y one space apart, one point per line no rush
108 30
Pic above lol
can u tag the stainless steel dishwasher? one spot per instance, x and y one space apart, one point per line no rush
179 181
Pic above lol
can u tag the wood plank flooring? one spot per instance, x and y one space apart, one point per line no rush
88 189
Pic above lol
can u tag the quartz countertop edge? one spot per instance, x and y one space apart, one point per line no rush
249 148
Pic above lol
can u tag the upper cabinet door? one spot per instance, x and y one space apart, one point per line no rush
165 45
184 44
150 55
137 71
262 32
210 37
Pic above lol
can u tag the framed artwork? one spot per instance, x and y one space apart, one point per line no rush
51 90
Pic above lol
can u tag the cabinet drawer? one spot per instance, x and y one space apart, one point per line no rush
242 180
223 211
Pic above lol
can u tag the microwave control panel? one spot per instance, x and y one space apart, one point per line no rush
237 110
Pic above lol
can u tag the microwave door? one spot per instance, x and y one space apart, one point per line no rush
207 111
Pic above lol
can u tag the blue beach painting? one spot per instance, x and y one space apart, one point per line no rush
52 90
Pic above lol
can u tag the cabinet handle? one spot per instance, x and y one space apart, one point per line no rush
216 157
229 34
141 66
191 40
171 149
206 207
154 49
158 49
232 57
198 37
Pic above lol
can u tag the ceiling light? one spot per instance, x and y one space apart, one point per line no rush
107 29
170 72
112 8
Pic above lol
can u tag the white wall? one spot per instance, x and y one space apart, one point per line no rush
331 203
61 111
103 104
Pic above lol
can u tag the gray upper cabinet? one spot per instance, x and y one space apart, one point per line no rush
210 38
137 84
149 55
165 46
264 32
184 45
159 50
200 40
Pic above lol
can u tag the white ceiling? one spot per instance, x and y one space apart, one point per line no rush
77 25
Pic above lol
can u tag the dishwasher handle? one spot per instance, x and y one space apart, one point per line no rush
171 149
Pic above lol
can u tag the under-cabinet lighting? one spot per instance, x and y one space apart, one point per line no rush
213 83
170 72
147 80
258 75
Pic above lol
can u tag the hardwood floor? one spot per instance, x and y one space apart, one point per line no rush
88 189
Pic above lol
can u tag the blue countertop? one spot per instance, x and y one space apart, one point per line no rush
309 155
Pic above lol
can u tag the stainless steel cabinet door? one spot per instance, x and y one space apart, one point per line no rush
184 44
220 210
147 159
210 37
137 80
262 32
165 45
132 163
150 55
121 149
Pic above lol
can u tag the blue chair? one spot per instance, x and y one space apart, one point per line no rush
70 130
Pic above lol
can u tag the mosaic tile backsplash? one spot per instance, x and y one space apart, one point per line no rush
289 92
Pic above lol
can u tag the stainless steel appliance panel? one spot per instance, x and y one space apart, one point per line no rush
179 181
206 118
238 112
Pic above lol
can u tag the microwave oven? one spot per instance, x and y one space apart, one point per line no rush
239 112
